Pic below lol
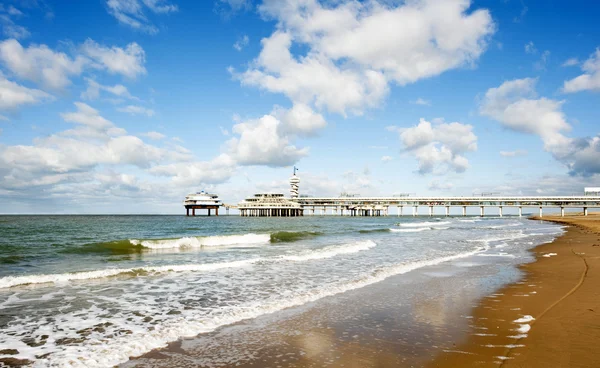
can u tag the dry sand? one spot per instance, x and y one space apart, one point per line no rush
562 293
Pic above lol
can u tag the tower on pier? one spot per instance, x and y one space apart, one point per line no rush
294 181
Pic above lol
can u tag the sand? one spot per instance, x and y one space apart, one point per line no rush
560 293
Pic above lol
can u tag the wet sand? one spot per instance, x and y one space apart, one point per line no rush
378 327
562 293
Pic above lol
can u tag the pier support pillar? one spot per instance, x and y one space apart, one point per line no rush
585 211
187 211
482 211
500 211
562 212
217 211
415 209
464 210
193 212
520 211
430 211
400 210
447 211
541 214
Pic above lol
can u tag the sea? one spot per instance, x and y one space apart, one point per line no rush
93 291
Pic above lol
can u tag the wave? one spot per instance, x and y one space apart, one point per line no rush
413 230
327 252
11 281
331 251
423 224
199 242
118 349
290 236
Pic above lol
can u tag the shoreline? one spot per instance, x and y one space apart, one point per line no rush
550 316
367 327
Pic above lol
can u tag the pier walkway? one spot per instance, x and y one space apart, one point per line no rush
380 206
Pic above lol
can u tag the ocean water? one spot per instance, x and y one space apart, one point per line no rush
92 291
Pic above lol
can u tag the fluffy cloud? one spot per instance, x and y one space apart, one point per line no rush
439 147
349 65
261 142
589 80
216 171
136 110
53 69
515 106
13 95
40 64
128 61
75 153
132 12
385 159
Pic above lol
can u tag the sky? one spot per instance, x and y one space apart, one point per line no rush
126 106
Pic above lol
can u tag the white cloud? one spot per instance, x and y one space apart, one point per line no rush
73 155
224 131
513 153
541 64
136 110
514 105
348 65
93 90
54 70
385 159
300 120
13 95
241 43
128 61
156 136
40 64
133 12
262 142
571 62
216 171
421 101
439 147
530 48
11 29
589 80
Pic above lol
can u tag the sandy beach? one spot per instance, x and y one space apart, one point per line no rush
556 307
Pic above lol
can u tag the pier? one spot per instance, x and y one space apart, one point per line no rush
380 206
276 205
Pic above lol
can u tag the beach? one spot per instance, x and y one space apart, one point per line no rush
309 292
558 298
548 317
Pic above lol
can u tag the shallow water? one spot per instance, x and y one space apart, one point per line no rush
94 290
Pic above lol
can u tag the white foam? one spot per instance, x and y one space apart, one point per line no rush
10 281
422 224
548 255
500 254
523 328
331 251
520 336
207 241
118 349
526 318
412 230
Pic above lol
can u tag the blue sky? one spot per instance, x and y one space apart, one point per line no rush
124 106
